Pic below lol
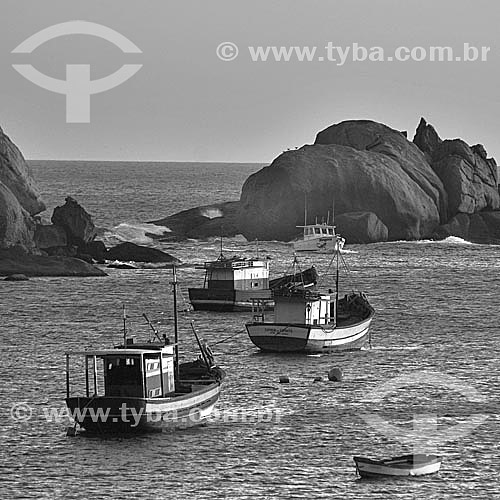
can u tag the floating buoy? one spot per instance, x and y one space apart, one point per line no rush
318 379
335 375
284 380
16 277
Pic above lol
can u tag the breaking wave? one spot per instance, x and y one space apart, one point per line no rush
135 233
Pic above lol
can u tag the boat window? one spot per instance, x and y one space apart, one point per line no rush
256 284
330 231
317 230
324 231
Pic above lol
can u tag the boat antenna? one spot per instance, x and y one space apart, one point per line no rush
176 333
257 245
203 353
124 325
155 331
221 256
328 218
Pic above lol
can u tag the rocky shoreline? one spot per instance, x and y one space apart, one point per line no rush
384 188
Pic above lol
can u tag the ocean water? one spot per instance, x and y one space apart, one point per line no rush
435 352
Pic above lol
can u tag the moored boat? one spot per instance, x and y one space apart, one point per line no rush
137 387
402 466
310 321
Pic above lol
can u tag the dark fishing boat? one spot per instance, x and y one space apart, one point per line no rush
143 387
403 466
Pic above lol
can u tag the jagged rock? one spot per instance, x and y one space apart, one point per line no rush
202 222
272 200
76 221
15 175
47 236
361 227
426 138
13 261
16 225
469 179
136 253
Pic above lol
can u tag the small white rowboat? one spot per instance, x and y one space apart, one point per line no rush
406 465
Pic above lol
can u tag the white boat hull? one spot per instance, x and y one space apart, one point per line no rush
322 244
282 337
418 465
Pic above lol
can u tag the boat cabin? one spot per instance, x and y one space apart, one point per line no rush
314 231
137 371
302 307
236 274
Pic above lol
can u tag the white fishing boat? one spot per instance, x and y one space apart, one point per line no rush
137 387
403 466
318 237
310 321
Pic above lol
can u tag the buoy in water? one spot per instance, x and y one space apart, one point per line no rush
318 379
335 375
284 380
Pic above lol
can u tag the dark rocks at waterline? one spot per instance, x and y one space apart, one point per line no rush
16 277
135 253
361 227
14 261
220 219
483 227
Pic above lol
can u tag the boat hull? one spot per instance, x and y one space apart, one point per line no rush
283 337
105 415
323 244
204 299
406 466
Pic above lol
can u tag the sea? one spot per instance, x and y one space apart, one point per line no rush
429 382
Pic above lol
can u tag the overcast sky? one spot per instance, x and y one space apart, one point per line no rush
185 104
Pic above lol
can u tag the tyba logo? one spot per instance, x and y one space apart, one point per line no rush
425 435
78 87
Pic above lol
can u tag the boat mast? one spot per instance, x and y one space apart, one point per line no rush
176 334
337 255
124 326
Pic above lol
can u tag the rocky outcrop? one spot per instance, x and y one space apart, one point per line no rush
483 227
14 261
361 227
273 199
136 253
469 177
15 176
202 222
16 225
426 139
50 236
76 221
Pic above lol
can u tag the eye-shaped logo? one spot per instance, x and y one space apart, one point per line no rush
78 87
425 436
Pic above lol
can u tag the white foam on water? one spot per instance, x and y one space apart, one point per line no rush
211 212
136 232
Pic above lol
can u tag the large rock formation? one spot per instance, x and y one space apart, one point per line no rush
219 219
15 175
24 243
362 166
405 190
19 198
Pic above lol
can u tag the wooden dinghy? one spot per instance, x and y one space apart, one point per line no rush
405 465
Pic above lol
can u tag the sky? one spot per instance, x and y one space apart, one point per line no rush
186 104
